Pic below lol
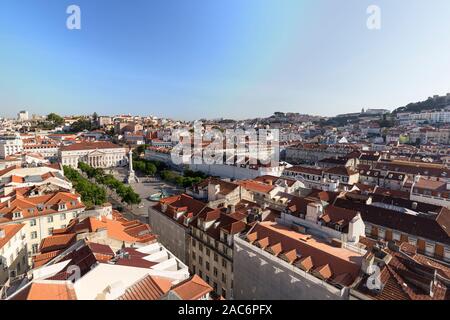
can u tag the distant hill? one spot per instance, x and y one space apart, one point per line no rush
432 103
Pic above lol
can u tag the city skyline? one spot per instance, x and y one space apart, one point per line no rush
220 60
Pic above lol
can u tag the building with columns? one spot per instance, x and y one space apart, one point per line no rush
95 154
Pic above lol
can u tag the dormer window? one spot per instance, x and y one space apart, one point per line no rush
62 206
17 215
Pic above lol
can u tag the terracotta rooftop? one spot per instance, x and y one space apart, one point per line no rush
57 242
409 276
192 288
255 186
30 207
182 205
435 227
117 228
308 170
10 230
148 288
90 146
47 290
328 262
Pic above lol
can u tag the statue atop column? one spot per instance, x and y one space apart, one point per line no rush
131 175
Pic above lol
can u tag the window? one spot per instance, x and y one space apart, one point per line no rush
412 241
224 293
200 247
224 263
368 229
193 256
215 271
396 236
215 286
381 233
447 254
50 219
35 248
207 279
200 273
34 235
216 257
194 243
17 215
429 249
200 261
50 231
224 278
207 265
62 216
32 222
208 252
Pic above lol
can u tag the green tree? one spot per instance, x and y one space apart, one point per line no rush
81 125
55 119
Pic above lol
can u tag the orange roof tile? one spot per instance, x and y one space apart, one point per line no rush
47 290
57 242
9 231
192 289
148 288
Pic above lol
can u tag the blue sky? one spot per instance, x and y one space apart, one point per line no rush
190 59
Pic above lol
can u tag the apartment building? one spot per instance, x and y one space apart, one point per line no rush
170 220
389 180
406 274
46 147
272 261
10 144
40 213
211 248
50 178
307 153
431 191
13 253
393 219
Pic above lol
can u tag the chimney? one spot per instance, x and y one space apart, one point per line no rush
313 211
367 263
356 228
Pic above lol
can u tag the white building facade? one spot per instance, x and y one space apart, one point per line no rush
95 154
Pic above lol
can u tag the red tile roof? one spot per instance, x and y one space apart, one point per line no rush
57 242
148 288
29 206
10 231
47 290
256 186
322 259
90 146
192 289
